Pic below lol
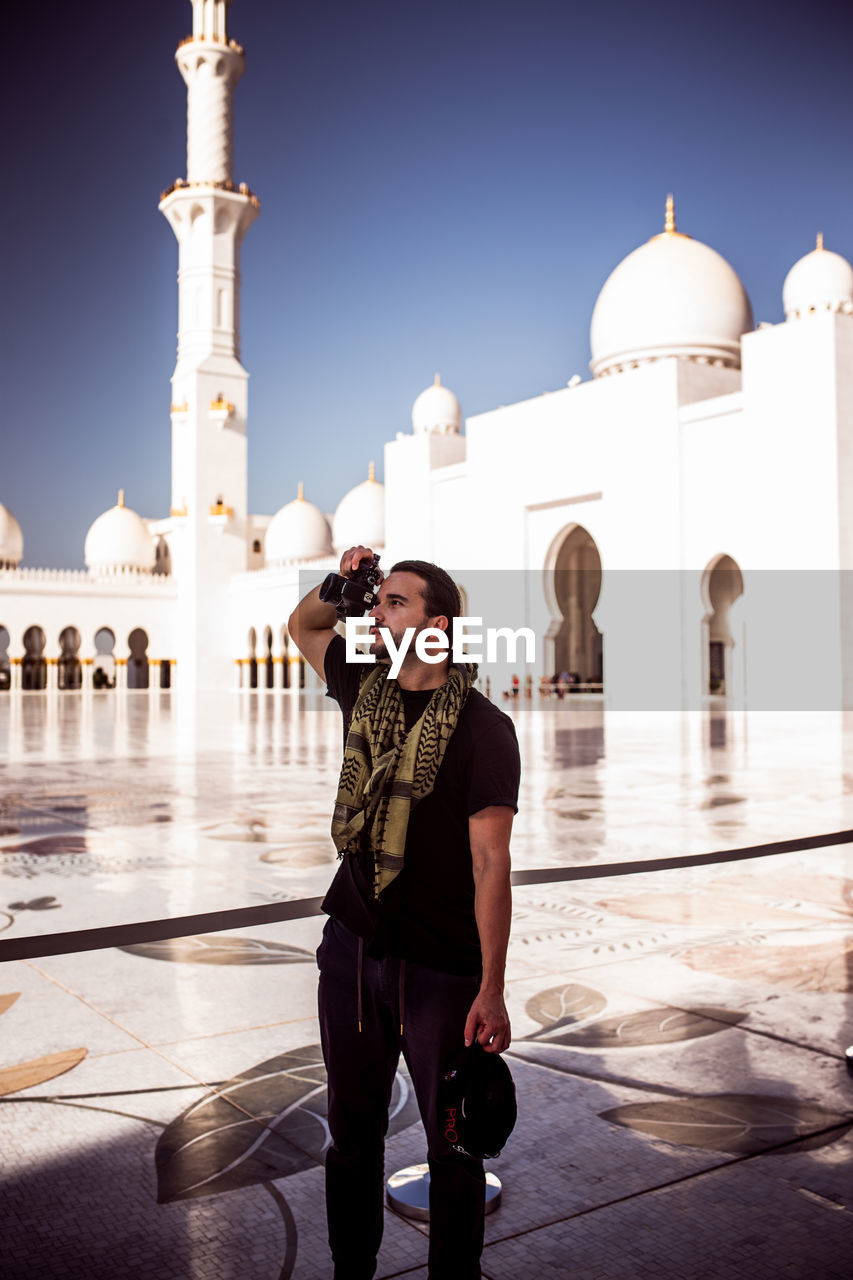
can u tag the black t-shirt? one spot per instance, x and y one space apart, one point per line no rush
427 913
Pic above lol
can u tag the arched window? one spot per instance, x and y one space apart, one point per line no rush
5 665
253 662
104 669
34 672
163 561
285 661
70 668
137 667
268 662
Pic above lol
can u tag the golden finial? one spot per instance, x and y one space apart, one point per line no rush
437 382
121 497
819 244
300 492
669 224
371 471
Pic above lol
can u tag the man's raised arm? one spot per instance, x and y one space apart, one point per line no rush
312 623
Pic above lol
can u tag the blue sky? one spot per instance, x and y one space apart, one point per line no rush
444 186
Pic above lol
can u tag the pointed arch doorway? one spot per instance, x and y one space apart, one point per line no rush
722 587
574 582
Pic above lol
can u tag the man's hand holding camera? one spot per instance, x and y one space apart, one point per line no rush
351 559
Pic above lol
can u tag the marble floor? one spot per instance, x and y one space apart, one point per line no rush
679 1034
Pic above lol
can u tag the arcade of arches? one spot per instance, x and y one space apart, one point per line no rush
72 671
270 665
273 661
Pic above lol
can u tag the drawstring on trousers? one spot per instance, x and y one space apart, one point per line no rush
401 987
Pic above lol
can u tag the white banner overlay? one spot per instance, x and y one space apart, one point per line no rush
432 645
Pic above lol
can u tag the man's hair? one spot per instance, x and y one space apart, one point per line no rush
440 592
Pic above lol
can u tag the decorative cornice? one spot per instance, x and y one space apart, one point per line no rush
217 40
223 184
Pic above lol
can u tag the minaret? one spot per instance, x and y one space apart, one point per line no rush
209 215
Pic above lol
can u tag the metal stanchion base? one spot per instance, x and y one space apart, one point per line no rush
408 1192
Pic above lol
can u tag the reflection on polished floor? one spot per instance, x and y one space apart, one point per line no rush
679 1035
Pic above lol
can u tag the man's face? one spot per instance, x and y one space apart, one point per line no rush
400 604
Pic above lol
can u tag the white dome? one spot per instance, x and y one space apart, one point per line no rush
437 410
821 281
11 540
360 517
298 531
673 296
119 540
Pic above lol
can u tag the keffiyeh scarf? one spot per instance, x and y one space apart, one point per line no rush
386 771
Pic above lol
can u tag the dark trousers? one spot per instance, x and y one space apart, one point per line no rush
360 1066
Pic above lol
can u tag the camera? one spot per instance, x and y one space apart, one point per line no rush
352 597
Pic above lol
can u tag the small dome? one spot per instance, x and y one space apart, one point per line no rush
437 410
674 296
821 281
360 517
298 531
119 540
11 540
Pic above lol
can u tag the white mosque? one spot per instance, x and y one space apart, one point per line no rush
680 523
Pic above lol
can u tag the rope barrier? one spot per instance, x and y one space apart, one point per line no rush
122 935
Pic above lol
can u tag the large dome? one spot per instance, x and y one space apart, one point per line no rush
119 540
11 540
821 281
298 531
360 517
437 410
674 296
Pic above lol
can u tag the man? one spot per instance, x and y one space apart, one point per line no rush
414 952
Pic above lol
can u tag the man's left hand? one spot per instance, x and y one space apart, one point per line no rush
488 1022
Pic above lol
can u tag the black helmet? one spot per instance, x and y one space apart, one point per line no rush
476 1102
